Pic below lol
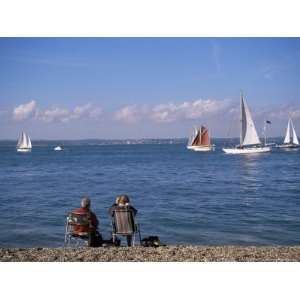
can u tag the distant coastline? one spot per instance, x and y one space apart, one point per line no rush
130 141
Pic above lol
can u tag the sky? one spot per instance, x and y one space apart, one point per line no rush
111 88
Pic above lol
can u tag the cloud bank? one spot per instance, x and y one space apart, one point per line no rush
167 113
24 111
172 112
31 110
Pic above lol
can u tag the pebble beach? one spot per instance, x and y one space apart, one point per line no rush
160 254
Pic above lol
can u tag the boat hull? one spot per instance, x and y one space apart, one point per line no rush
288 146
201 148
23 150
247 150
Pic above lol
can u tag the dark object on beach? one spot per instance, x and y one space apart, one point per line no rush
111 243
151 241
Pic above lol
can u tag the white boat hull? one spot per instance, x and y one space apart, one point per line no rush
288 146
58 148
247 150
201 148
23 150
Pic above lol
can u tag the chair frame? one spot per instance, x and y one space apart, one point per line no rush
135 229
70 236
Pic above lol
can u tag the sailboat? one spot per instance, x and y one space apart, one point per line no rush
290 140
24 143
249 140
58 148
200 140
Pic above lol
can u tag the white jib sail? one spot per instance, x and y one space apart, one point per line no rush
248 131
287 139
295 139
28 142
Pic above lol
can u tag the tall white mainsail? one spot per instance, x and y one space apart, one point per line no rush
287 139
248 132
24 141
295 139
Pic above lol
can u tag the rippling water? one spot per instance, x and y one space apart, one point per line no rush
182 196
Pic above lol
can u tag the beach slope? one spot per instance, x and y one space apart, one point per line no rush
160 254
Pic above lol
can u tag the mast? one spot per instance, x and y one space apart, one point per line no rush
200 135
241 120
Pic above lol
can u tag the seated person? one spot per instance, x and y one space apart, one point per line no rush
94 236
121 202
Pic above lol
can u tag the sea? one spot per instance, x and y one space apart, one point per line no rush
183 197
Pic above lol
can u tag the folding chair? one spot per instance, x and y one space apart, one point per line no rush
123 224
72 235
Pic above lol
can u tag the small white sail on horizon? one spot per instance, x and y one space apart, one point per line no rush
249 140
24 143
291 139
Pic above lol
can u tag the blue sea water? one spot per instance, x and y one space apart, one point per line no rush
182 196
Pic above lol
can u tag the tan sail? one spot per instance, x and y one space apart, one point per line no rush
202 137
200 141
205 140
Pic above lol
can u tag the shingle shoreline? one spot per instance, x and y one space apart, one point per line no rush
160 254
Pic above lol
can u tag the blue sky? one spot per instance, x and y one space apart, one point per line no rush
73 88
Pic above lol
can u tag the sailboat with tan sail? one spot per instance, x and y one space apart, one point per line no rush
200 140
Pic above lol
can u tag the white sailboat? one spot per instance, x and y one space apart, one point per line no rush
58 148
249 140
24 143
200 140
290 140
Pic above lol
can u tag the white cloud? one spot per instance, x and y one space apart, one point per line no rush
296 114
24 111
188 110
96 112
171 112
54 114
60 114
86 110
130 114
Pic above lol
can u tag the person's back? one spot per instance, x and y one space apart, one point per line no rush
123 202
91 228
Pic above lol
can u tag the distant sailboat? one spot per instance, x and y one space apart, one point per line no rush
200 140
249 140
24 143
290 140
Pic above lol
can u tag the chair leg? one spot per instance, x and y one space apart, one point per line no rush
140 237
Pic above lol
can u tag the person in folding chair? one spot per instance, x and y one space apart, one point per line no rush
87 223
123 220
